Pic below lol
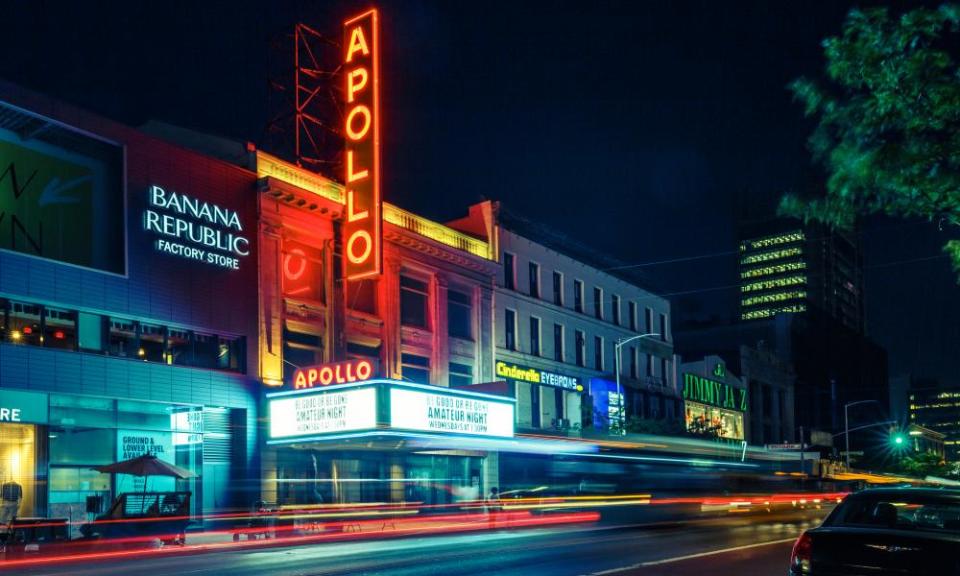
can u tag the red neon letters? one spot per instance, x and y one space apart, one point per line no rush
362 228
336 373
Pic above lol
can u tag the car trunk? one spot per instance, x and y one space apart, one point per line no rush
855 551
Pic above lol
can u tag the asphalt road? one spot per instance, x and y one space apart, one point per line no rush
738 545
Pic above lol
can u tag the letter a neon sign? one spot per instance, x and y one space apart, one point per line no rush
362 227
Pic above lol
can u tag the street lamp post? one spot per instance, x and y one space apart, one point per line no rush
617 347
846 424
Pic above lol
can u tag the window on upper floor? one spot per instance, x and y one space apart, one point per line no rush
578 296
534 280
633 362
580 345
461 374
302 347
534 336
598 353
414 297
509 271
663 327
557 288
362 296
632 308
615 308
648 320
510 329
459 314
415 368
598 302
649 365
558 342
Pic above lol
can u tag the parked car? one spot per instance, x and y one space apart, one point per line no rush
903 531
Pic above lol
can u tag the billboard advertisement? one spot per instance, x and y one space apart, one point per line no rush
62 197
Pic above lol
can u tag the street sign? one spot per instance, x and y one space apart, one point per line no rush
783 446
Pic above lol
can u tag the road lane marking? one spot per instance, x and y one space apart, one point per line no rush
687 557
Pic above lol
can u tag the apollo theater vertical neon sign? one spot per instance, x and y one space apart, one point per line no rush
362 225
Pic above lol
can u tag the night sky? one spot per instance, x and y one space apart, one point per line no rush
646 129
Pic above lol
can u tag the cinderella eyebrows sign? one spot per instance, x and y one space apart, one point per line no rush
362 227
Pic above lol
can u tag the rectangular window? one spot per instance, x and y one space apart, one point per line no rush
558 403
663 327
535 405
581 347
509 272
23 323
598 353
415 368
510 329
230 354
59 328
459 314
649 365
461 374
302 347
648 325
206 350
413 302
598 302
153 343
664 370
578 296
90 332
633 316
615 308
179 347
123 338
534 280
534 335
558 342
633 362
362 296
557 288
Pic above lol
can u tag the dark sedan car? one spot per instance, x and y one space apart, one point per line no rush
884 532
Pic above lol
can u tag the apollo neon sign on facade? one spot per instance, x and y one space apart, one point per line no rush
335 373
362 228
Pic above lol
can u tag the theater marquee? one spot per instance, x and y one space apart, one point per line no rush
363 222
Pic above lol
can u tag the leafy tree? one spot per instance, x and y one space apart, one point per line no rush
888 113
923 464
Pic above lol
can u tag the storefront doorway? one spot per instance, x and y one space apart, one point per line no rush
18 466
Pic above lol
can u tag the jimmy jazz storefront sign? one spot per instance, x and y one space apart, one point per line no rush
713 393
194 229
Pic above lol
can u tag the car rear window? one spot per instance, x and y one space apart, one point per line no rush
899 513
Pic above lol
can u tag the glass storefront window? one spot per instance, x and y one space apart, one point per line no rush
82 446
18 463
713 421
82 411
143 415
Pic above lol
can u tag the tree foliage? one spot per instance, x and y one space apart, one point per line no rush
888 121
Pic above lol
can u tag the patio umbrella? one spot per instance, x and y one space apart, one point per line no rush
146 465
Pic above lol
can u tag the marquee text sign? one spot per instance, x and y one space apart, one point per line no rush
416 410
323 413
535 376
363 222
707 391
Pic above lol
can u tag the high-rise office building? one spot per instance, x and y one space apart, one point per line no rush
787 267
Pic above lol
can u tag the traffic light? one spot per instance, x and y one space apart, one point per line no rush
898 439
